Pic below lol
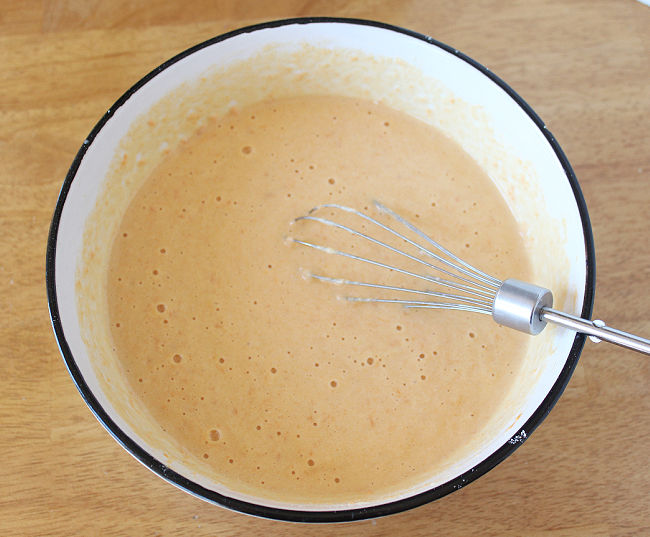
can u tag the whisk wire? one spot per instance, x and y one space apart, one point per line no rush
429 305
484 306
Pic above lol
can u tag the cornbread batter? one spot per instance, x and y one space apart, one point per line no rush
278 389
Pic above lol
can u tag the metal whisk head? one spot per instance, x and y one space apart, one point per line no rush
456 285
473 289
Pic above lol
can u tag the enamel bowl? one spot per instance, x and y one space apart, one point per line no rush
407 71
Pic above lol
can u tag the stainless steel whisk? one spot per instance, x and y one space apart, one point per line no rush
513 303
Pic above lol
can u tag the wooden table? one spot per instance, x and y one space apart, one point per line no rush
584 66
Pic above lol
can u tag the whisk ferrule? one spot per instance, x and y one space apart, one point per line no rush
519 305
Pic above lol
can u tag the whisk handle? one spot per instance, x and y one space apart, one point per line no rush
596 330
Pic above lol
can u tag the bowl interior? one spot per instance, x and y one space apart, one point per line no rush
406 72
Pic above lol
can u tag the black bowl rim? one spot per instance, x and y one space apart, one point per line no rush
344 515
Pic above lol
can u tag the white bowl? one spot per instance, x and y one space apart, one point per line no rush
405 70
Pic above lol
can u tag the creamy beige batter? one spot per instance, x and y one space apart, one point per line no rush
277 388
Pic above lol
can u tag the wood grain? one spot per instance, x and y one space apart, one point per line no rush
584 66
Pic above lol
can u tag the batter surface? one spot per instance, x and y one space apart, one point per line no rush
275 387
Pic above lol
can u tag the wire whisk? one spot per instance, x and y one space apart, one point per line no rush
458 284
